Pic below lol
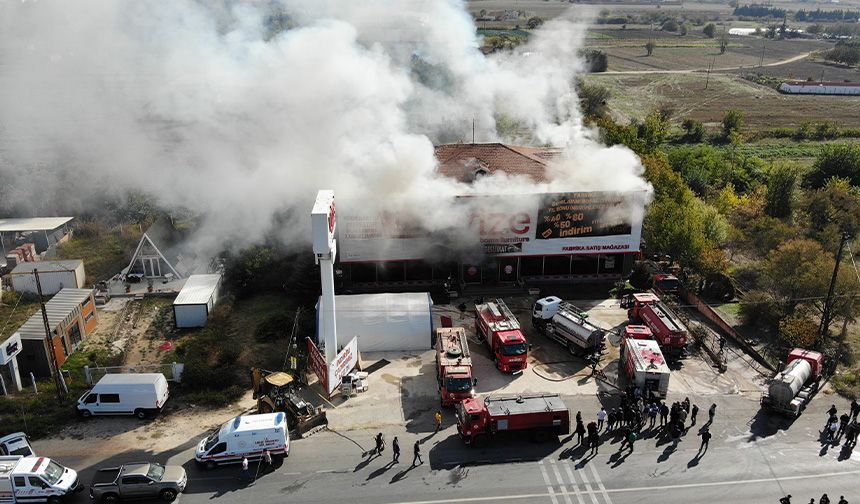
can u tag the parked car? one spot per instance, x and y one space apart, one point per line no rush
16 443
138 480
140 395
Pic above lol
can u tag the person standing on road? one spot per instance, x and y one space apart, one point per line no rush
843 424
267 461
631 438
594 441
395 447
824 499
855 409
842 500
578 416
417 452
711 412
380 443
831 431
785 500
706 437
601 416
438 419
664 412
652 415
693 412
832 411
246 475
580 432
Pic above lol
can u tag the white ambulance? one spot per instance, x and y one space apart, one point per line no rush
35 479
245 437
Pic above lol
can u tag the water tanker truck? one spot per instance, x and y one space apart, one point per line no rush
668 330
500 330
541 415
568 325
791 389
453 366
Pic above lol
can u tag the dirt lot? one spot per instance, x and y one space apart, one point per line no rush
634 95
136 328
407 382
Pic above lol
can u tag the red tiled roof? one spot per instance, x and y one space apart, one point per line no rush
458 161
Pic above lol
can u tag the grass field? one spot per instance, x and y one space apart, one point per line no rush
104 254
634 95
12 317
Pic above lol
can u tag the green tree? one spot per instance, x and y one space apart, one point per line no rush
682 30
781 189
833 210
653 130
649 47
724 43
710 30
534 22
732 122
797 271
694 131
596 60
799 329
593 98
670 25
835 160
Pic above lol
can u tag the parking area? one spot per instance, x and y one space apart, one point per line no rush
402 387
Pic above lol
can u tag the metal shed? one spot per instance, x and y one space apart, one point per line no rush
385 322
53 275
196 300
71 317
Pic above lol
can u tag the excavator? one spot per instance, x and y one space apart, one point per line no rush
276 391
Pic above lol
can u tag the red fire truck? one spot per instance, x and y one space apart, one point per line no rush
667 328
543 415
453 366
500 329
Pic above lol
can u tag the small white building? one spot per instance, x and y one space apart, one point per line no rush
388 322
196 300
820 88
53 275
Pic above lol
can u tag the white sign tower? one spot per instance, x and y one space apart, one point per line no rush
324 222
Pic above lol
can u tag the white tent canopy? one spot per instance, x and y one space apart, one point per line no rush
385 322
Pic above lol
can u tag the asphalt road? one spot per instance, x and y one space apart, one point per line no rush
752 458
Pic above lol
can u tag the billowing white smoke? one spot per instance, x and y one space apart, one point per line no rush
240 111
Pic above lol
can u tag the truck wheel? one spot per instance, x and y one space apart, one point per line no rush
110 499
277 461
167 495
54 500
480 441
571 347
86 413
140 413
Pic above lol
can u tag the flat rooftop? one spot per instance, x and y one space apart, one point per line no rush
32 224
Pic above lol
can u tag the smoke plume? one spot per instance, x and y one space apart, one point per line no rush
241 111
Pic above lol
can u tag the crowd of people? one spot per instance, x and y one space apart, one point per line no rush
824 500
635 411
842 425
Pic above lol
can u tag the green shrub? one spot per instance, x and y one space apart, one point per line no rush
274 327
214 398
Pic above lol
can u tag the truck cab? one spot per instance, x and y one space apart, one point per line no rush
500 330
36 479
545 308
16 444
471 419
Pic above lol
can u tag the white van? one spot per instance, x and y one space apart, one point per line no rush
245 436
125 394
35 479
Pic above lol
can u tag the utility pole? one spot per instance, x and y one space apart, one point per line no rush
828 303
473 130
761 61
708 76
49 340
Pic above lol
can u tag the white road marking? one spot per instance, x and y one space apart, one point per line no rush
575 484
585 482
546 480
600 484
500 498
560 481
325 471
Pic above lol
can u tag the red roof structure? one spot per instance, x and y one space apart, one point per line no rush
464 162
